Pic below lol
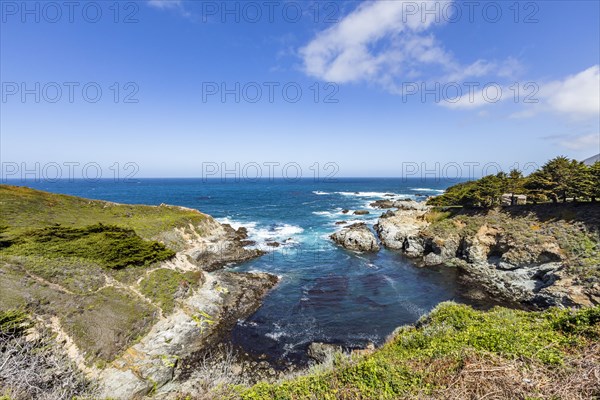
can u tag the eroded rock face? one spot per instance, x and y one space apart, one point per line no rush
531 274
225 246
357 237
200 321
400 230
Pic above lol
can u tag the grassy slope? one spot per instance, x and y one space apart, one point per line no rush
442 356
22 209
55 259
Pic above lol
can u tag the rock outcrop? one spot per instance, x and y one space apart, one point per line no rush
400 230
201 321
513 258
321 352
357 237
361 212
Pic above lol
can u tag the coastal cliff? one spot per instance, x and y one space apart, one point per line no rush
535 256
129 292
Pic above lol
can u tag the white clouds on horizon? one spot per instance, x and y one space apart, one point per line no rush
591 141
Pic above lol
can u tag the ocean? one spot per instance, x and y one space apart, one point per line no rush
326 293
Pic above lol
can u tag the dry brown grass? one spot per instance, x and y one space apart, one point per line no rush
493 378
34 367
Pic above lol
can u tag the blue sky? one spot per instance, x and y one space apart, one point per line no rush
374 58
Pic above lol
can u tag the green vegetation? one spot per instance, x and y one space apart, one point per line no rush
23 209
163 286
105 323
13 322
422 360
80 260
574 227
108 245
559 179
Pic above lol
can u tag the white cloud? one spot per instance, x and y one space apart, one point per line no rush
577 95
475 98
382 42
165 4
583 142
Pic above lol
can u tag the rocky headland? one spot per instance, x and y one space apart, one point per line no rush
130 319
532 256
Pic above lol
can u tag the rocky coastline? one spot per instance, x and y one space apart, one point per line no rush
515 259
133 330
200 321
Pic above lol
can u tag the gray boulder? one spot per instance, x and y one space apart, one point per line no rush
356 237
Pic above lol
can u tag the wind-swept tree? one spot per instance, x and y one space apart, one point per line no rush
558 180
595 181
515 184
581 184
553 180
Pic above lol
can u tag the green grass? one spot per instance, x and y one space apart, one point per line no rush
163 285
13 322
437 216
110 246
105 323
58 254
23 209
401 367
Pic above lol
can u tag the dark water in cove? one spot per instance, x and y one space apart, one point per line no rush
326 293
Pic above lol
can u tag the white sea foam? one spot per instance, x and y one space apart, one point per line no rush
390 281
332 214
282 233
325 213
368 194
320 193
275 335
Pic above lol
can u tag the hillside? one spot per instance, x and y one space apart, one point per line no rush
124 287
458 353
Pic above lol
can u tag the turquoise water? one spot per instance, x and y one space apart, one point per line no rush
326 293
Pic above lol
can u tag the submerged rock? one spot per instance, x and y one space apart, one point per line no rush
356 237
